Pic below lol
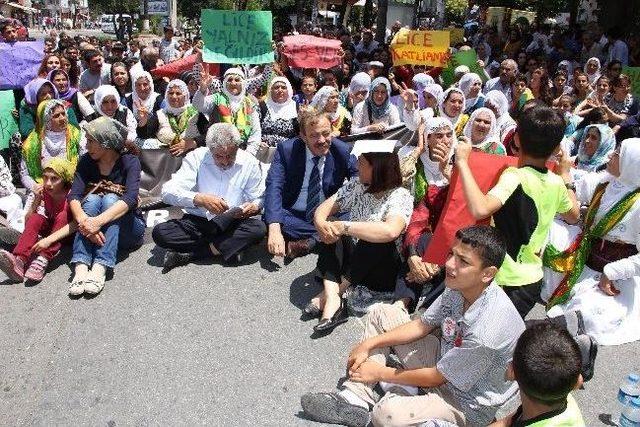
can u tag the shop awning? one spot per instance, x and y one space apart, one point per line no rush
21 7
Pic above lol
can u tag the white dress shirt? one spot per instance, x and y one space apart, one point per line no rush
241 183
301 202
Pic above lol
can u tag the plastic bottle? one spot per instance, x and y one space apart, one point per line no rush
631 414
629 389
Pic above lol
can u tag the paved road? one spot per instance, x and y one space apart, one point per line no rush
207 344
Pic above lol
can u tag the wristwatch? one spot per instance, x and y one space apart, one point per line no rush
570 186
346 228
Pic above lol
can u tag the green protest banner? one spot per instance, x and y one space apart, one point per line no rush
468 58
8 124
634 74
237 37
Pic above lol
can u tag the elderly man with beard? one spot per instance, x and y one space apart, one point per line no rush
221 188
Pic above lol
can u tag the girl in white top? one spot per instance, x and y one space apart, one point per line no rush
376 113
608 300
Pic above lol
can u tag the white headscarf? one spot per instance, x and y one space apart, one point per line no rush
286 110
504 120
434 90
443 97
593 77
432 172
235 101
490 137
101 93
630 162
359 82
151 99
176 111
321 97
465 85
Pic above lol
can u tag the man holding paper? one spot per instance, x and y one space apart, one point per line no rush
221 189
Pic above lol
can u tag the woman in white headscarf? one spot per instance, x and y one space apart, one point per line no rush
376 113
592 70
480 132
605 290
357 91
497 102
326 100
174 119
278 113
471 85
231 105
106 101
412 116
144 102
451 107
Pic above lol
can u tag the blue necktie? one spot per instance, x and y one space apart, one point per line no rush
313 190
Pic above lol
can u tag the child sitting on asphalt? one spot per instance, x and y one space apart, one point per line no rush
458 374
47 224
546 364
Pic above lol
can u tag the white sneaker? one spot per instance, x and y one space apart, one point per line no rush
93 286
76 288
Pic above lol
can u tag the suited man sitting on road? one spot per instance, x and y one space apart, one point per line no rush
305 171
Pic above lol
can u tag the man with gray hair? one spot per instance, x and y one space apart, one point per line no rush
221 189
504 82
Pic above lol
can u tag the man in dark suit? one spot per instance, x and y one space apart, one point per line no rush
305 171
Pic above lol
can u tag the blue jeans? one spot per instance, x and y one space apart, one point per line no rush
125 232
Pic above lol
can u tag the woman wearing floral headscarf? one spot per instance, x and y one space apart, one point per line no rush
596 145
104 202
174 118
144 102
326 100
278 115
594 268
36 91
81 106
376 113
48 223
471 86
53 137
232 105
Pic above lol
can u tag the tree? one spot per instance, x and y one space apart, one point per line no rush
381 21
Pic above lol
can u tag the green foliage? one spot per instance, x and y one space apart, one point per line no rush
454 10
115 6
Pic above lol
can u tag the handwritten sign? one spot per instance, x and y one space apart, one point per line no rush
8 124
420 48
311 52
237 37
634 75
19 63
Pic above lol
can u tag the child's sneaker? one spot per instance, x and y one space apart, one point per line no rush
12 266
36 269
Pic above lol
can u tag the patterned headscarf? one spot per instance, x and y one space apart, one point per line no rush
45 112
434 90
359 82
420 82
490 136
603 152
70 91
286 110
176 111
101 93
62 167
150 101
378 111
235 101
444 97
109 133
468 80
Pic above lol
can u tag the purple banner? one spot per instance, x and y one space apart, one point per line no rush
19 63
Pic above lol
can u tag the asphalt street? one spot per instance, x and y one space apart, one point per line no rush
204 344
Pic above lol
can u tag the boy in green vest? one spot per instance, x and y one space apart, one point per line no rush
524 202
546 364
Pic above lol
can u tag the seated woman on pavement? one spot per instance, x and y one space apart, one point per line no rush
594 268
107 103
144 102
365 250
35 92
48 225
221 189
376 113
326 100
104 202
174 119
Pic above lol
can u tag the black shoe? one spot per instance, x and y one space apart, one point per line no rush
235 259
311 311
340 317
589 351
331 408
173 259
9 236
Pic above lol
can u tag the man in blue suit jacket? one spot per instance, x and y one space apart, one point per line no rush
305 171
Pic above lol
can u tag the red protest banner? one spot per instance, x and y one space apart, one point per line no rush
311 52
173 69
486 169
